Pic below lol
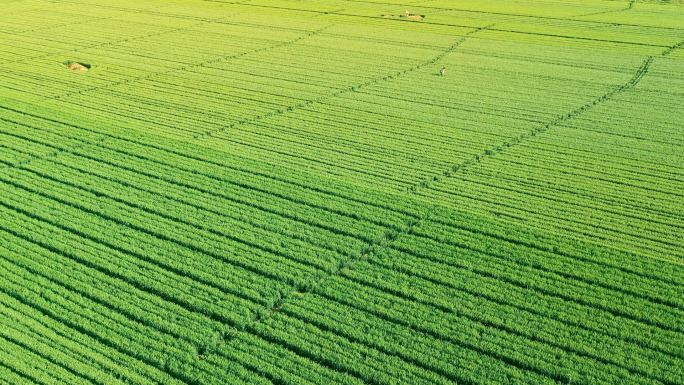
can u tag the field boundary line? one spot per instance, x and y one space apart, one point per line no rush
636 78
352 88
673 48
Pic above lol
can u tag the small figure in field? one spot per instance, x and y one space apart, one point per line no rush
441 72
407 14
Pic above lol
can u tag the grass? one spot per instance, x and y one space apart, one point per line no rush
280 192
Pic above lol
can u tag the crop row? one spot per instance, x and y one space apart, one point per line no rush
654 93
567 139
182 214
484 292
317 160
147 365
16 149
593 274
572 164
73 344
619 163
282 182
445 358
102 309
337 353
454 326
104 325
566 203
648 145
132 175
648 207
104 289
277 363
77 340
525 310
9 376
384 147
340 234
355 159
43 329
543 214
242 185
496 101
397 128
89 217
193 287
556 245
554 55
33 366
588 44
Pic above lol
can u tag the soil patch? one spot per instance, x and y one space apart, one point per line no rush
76 66
409 15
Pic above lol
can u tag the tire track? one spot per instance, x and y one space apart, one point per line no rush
602 12
352 88
641 71
391 235
673 48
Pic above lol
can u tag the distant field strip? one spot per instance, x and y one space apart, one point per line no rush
278 192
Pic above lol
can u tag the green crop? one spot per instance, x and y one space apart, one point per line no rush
292 192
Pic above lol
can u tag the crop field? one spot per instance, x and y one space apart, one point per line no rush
288 192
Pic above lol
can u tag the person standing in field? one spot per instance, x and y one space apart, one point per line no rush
441 72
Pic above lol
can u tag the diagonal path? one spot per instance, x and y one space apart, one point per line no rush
638 75
352 88
389 237
190 66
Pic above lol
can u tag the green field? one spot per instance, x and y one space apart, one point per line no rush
288 192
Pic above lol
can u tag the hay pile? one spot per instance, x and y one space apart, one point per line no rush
74 66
